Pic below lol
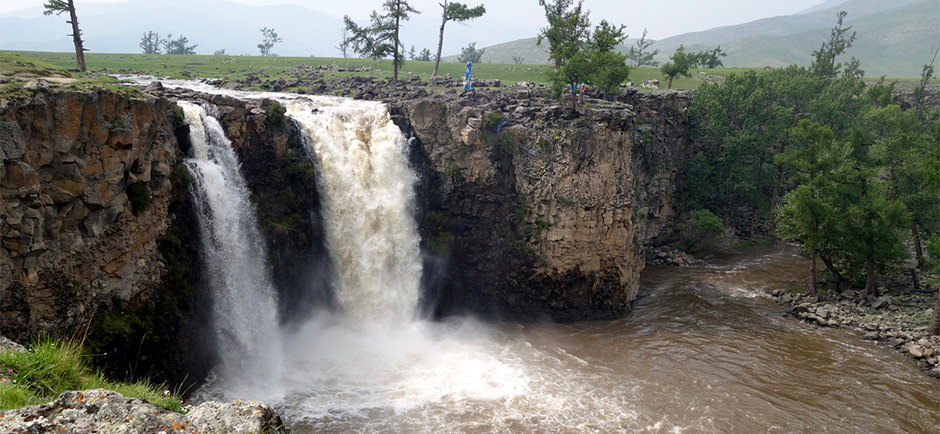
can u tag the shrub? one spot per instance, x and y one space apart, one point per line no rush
700 230
491 121
276 119
139 196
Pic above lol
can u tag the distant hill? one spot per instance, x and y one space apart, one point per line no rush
527 49
894 38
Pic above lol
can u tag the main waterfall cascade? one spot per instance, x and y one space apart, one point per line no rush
704 351
367 190
244 304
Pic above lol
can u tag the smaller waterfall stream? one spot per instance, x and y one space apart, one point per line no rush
244 311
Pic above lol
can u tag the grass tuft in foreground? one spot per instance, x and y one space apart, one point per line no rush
51 366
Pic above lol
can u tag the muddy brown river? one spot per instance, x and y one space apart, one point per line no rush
704 350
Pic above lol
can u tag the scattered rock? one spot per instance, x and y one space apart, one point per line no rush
896 319
106 412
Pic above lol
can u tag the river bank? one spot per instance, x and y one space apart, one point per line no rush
898 318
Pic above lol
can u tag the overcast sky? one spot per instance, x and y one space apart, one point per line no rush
663 18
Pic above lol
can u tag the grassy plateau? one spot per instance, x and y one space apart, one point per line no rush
239 67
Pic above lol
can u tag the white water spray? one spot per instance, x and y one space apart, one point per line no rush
244 311
367 192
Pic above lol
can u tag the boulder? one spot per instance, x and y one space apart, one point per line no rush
106 412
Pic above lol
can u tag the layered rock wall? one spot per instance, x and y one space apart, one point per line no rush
534 210
528 209
84 195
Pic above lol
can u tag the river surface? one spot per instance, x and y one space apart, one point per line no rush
704 350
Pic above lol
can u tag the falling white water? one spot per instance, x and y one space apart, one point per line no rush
244 306
374 359
367 192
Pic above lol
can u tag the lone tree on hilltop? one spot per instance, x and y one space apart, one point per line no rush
382 37
58 7
268 38
453 11
640 54
150 42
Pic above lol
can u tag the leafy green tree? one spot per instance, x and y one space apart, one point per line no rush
567 29
898 144
382 38
607 67
700 230
454 11
58 7
842 208
470 53
679 64
424 55
150 42
178 45
872 226
710 59
920 93
824 60
933 252
640 54
596 63
268 38
743 123
807 215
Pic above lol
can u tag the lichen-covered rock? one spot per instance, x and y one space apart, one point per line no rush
237 417
106 412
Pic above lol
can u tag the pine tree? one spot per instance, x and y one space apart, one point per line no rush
453 11
382 38
58 7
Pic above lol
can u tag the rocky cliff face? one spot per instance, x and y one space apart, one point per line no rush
532 210
85 188
528 209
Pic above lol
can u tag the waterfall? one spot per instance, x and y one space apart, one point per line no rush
373 357
244 307
367 194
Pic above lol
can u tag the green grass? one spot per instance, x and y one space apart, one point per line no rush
52 366
272 68
13 64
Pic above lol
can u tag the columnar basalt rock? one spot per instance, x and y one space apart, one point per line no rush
538 211
528 209
85 188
